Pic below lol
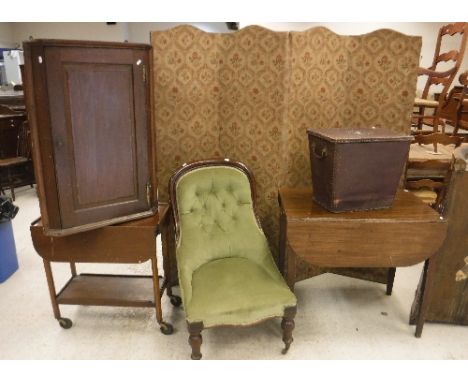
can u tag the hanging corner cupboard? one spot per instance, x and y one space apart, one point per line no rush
89 105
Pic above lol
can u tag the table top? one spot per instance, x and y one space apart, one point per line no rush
298 204
405 234
128 242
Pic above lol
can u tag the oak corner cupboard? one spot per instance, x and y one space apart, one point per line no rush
89 105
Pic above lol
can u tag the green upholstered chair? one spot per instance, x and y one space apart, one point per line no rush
227 274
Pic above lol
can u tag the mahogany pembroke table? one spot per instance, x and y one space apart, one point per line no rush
406 234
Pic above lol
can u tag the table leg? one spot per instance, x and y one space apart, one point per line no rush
415 307
428 274
291 268
73 269
390 280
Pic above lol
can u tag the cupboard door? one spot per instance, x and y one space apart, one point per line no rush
98 100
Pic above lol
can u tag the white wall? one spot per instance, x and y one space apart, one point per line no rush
72 31
6 35
132 32
14 33
140 32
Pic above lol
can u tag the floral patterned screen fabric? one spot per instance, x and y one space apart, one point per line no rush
347 81
251 95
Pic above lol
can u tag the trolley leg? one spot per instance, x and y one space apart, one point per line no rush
168 248
169 290
166 260
65 323
163 326
157 290
53 294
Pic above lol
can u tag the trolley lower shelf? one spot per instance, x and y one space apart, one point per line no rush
109 290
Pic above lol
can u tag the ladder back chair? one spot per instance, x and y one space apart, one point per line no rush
436 76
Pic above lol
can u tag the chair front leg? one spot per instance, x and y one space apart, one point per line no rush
288 326
195 339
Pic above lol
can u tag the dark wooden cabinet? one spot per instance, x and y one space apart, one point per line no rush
89 110
9 127
16 168
12 116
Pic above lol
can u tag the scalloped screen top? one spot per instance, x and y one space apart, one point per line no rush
259 27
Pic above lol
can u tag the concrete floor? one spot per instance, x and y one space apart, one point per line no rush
338 318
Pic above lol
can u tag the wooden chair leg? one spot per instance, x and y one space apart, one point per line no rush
195 339
443 124
288 326
435 127
390 280
420 119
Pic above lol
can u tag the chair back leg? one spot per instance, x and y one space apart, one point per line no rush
288 326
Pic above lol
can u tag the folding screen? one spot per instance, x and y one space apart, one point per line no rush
252 94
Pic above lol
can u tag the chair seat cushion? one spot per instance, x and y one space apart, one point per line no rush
236 291
425 102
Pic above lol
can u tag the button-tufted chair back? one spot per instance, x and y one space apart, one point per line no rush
215 218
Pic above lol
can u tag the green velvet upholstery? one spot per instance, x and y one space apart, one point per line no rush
226 271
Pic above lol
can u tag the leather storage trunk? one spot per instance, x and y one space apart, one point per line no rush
356 169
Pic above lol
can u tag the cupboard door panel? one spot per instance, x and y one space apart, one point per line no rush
91 126
100 132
